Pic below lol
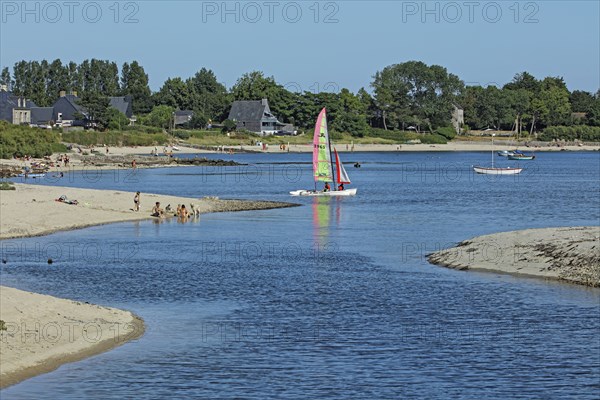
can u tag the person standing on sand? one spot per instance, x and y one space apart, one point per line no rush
133 164
136 202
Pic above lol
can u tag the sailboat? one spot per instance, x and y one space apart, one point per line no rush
495 170
323 167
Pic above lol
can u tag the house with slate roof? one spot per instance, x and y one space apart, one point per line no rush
67 108
182 117
124 104
15 109
254 116
19 110
42 116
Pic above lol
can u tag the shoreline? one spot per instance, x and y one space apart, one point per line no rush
44 332
122 157
34 212
567 254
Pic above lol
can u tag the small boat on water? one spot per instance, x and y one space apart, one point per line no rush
521 156
493 170
323 167
498 171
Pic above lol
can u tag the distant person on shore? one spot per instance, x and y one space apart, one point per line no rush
157 211
133 164
327 187
136 201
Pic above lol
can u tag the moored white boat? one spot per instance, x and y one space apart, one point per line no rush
493 170
497 171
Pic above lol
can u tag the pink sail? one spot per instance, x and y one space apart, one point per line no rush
321 154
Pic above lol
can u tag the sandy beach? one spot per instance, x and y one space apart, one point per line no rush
567 254
42 332
31 210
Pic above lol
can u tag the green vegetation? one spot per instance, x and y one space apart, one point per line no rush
18 141
579 132
404 96
7 186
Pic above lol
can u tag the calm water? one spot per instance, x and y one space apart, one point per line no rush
333 299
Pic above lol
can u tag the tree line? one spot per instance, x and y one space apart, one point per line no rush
407 95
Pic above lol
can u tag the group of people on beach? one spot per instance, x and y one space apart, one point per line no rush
181 212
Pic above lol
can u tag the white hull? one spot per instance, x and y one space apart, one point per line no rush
332 193
498 171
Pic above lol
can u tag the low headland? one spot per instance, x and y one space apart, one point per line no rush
38 333
569 254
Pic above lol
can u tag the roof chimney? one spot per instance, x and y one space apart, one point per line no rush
74 93
63 93
4 88
264 102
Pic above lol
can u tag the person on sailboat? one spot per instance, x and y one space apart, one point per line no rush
341 187
327 187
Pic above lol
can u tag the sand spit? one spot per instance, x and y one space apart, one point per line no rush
569 254
41 332
31 210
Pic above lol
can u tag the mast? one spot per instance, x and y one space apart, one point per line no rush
493 134
331 158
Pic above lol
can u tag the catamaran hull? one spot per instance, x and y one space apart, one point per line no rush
498 171
333 193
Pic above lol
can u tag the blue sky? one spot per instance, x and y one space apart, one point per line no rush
312 45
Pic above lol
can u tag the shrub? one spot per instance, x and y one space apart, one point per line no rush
433 139
580 132
446 131
7 186
18 140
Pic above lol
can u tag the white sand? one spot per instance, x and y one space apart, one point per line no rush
569 254
42 332
31 210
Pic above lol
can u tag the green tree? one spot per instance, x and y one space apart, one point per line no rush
116 119
58 79
206 95
5 78
415 92
350 116
134 82
160 116
97 107
581 101
173 93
